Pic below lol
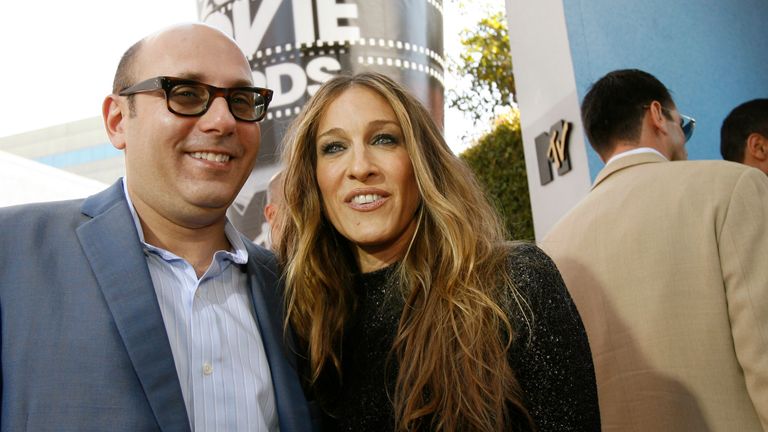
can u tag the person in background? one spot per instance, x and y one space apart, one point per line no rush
744 135
141 308
414 311
274 200
666 263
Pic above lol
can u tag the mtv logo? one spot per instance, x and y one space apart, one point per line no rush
552 148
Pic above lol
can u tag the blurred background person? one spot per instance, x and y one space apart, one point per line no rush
744 135
274 196
415 311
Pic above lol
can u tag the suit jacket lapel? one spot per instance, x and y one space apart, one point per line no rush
112 246
292 408
626 162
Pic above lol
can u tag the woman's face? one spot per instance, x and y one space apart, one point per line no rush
365 176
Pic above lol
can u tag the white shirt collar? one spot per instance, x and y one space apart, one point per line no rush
638 150
239 253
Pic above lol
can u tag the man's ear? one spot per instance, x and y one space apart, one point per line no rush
657 117
112 111
270 211
757 146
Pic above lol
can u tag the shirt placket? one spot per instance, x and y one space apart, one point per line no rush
205 355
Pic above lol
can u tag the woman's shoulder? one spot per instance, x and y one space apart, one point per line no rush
525 251
536 289
528 266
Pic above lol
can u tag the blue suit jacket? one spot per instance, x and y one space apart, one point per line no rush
84 347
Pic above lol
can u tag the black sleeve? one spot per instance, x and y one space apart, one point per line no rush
550 354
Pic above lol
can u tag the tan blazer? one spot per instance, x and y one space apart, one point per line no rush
668 265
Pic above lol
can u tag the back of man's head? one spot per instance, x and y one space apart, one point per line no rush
746 119
614 107
275 188
274 197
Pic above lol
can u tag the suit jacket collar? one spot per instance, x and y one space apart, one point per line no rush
111 244
627 162
267 296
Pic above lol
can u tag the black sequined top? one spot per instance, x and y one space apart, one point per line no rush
553 365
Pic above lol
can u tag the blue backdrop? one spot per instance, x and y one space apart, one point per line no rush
711 54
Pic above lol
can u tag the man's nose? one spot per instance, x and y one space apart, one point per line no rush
218 118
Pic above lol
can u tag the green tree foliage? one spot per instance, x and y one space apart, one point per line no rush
498 162
487 63
497 158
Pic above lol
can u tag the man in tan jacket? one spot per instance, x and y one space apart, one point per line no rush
668 265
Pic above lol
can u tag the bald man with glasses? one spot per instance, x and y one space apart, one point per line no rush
142 308
666 262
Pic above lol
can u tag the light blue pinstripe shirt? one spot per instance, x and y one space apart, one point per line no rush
218 351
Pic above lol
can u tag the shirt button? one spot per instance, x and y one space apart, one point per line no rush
207 368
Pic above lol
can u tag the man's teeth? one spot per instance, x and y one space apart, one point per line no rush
365 199
213 157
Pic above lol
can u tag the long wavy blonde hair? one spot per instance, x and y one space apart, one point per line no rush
454 333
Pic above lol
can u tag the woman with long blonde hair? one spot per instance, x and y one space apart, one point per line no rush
413 310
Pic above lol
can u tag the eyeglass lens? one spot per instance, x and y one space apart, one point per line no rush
192 99
687 124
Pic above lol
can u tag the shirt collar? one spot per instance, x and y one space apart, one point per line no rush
638 150
238 254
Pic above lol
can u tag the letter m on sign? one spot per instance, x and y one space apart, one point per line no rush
552 148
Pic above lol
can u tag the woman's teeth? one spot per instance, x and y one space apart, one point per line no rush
366 199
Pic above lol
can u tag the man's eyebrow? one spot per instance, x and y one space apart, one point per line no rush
190 76
194 76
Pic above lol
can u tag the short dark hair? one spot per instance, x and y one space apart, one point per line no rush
745 119
125 75
614 106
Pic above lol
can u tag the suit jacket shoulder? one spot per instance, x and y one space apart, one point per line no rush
75 281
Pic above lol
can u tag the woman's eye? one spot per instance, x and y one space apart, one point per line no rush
384 139
331 148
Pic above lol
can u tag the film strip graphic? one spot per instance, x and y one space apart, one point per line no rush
282 53
290 52
207 8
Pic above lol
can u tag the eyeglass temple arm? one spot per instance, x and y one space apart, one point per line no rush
150 84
